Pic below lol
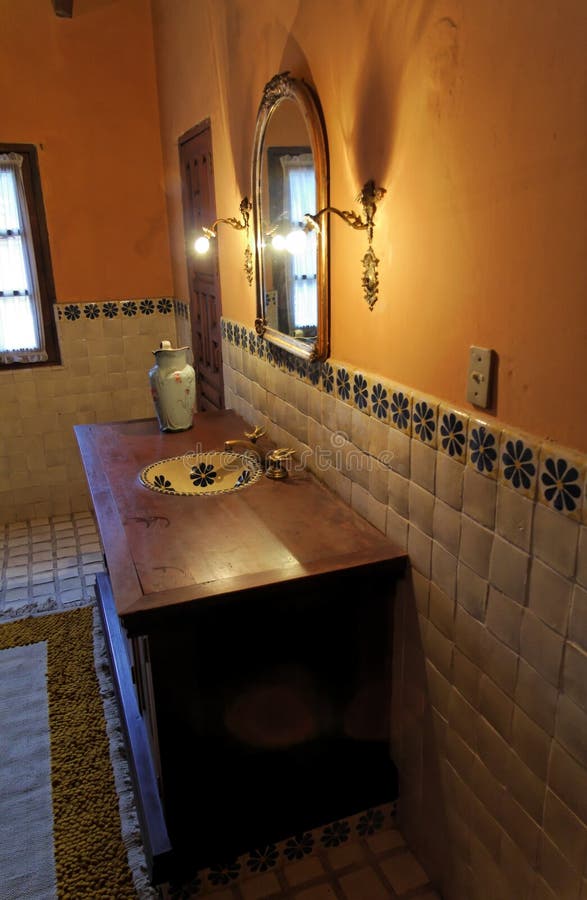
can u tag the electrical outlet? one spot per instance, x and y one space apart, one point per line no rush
479 376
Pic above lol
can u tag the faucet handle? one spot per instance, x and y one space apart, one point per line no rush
282 453
254 435
275 461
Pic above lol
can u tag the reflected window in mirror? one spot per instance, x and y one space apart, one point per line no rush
292 253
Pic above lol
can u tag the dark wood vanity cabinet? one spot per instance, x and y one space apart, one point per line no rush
250 638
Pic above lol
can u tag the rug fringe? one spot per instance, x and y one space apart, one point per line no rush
30 608
131 834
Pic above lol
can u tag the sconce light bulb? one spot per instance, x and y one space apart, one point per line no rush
202 245
278 242
296 241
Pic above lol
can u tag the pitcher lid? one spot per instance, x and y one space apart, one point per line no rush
166 345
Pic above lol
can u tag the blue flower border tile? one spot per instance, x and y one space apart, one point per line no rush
533 467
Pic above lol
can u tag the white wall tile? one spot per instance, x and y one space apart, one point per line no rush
422 464
578 620
421 507
479 493
472 591
555 539
514 515
549 595
475 547
508 569
446 526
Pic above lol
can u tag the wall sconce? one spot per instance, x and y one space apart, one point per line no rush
202 244
368 199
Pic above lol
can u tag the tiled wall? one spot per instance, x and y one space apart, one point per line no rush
490 661
106 353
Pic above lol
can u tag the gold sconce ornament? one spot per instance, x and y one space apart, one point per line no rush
202 244
368 198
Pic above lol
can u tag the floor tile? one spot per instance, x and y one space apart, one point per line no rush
404 872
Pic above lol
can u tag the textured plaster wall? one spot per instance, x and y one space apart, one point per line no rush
471 115
83 91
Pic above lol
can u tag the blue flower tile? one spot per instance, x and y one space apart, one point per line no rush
288 361
483 448
299 846
224 874
147 307
380 400
314 373
328 378
360 392
561 480
72 312
452 433
91 311
518 463
343 384
263 859
400 409
301 368
335 834
425 420
370 821
110 309
129 308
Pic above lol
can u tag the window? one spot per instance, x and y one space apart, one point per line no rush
27 328
301 196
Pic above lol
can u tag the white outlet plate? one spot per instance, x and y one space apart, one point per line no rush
479 376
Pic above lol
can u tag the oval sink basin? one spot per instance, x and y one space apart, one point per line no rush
201 474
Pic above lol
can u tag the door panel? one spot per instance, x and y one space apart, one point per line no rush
199 208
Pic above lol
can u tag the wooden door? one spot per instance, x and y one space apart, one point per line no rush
199 208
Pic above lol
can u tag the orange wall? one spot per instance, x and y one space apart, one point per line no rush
472 116
84 91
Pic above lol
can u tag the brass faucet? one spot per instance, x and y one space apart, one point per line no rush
276 460
249 444
272 461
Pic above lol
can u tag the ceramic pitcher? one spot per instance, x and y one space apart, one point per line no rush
173 386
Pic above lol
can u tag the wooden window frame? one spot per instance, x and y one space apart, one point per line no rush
40 238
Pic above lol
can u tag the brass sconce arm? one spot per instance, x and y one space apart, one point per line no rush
242 224
369 197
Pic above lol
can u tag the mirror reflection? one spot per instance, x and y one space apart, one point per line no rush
289 259
289 181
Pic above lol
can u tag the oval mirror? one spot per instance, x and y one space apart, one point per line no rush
290 180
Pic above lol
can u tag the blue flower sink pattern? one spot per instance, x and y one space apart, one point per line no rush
202 474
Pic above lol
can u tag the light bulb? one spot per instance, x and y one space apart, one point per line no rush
295 241
202 244
278 242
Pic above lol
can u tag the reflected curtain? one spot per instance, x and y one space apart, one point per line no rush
300 182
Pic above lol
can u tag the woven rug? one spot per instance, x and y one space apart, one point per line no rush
68 827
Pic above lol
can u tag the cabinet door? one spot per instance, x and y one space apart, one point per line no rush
142 676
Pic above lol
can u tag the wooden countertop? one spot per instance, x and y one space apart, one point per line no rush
165 551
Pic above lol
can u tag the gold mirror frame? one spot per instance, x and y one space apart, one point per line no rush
284 88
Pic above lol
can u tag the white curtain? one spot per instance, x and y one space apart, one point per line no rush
300 181
21 327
